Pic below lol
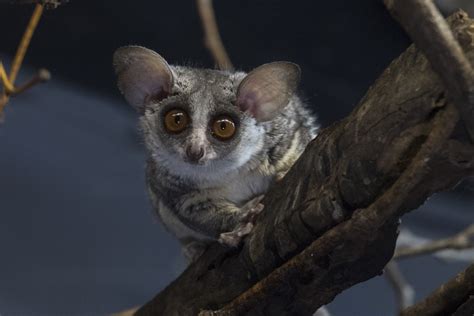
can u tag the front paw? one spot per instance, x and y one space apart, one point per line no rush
251 209
234 238
249 214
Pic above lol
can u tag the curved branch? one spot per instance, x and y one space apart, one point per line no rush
462 240
447 298
365 226
8 82
323 233
212 38
433 36
403 290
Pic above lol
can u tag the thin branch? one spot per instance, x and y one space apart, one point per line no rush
212 39
25 42
48 4
462 240
7 85
128 312
403 290
447 298
41 76
9 82
433 36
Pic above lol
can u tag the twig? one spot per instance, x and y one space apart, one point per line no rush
7 85
462 240
48 4
403 290
432 35
41 76
447 298
212 39
25 42
128 312
9 82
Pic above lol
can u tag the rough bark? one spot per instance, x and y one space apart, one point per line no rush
455 297
332 221
435 39
466 309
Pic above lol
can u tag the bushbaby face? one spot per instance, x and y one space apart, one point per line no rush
199 122
201 130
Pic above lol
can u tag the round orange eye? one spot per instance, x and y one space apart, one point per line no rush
176 121
223 128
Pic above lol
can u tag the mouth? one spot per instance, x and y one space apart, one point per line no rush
193 162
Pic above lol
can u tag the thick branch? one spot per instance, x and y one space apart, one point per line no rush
432 35
365 226
310 242
447 298
466 309
462 240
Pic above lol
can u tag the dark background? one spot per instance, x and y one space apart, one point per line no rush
77 236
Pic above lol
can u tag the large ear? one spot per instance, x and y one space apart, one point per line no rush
144 77
267 89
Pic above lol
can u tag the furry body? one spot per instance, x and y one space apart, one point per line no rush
199 201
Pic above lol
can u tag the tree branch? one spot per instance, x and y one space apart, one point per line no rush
212 39
448 298
321 234
432 35
466 309
48 4
403 290
462 240
8 82
365 225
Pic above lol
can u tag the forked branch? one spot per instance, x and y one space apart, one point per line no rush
462 240
8 81
332 221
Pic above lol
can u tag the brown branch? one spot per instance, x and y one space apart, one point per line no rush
363 226
447 298
212 39
25 42
336 226
41 76
432 35
462 240
9 88
466 309
48 4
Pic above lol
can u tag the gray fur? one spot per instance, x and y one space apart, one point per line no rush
199 201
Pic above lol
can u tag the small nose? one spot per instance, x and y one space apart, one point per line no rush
194 153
